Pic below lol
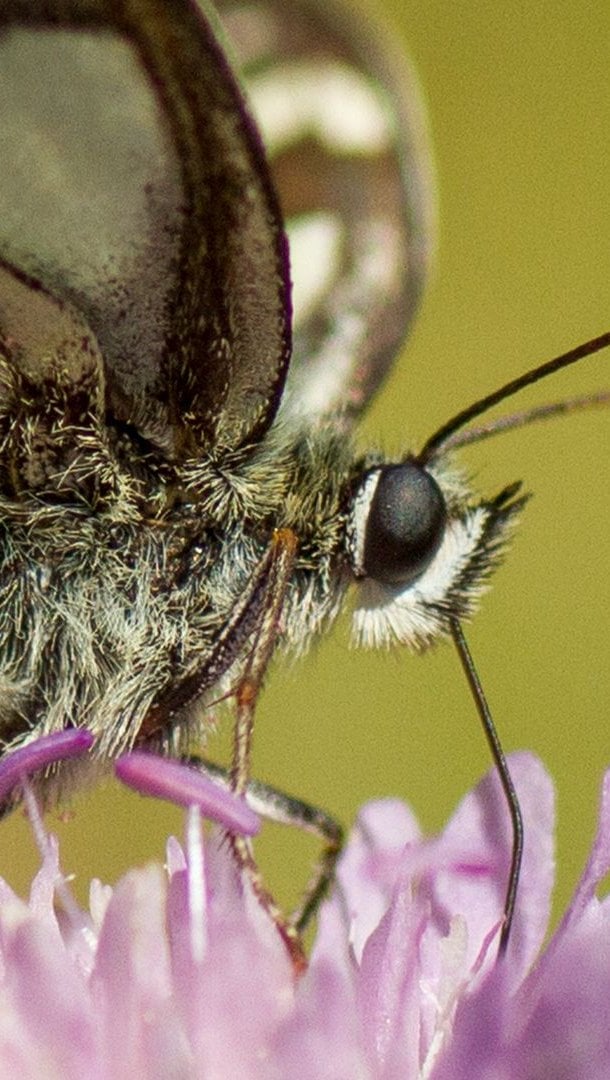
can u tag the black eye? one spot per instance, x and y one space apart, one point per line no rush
404 525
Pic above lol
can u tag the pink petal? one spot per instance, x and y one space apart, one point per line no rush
389 987
48 1002
47 750
321 1040
151 774
598 863
131 985
475 850
367 872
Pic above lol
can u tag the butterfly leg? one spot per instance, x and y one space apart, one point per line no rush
254 626
271 803
283 809
281 562
284 546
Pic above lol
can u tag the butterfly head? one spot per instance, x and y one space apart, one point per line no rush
422 550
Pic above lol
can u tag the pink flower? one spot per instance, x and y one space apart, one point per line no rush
179 973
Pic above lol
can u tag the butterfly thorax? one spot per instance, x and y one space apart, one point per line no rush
119 567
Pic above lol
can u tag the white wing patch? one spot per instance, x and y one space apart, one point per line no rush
332 102
315 259
350 296
412 616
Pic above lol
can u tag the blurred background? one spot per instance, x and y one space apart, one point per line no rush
519 106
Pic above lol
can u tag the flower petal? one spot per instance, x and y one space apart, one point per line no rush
476 850
151 774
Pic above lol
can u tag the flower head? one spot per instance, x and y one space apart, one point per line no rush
179 973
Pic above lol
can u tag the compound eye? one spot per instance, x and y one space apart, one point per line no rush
405 524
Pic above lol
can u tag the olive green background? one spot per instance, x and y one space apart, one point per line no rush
519 102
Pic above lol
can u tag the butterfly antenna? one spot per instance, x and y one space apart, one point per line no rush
444 435
526 417
506 780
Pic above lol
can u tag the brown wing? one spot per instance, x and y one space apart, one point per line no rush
134 188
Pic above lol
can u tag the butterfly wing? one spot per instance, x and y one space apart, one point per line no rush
343 126
135 199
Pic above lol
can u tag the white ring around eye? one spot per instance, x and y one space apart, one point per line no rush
412 615
358 520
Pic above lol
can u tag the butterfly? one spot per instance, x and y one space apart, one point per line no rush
191 323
